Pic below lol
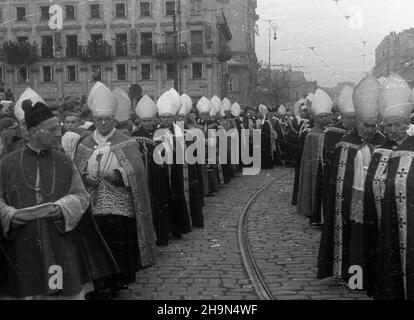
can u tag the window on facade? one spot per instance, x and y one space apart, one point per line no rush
197 43
70 12
22 74
170 71
169 40
196 7
146 71
44 13
95 12
1 74
47 47
71 74
121 45
145 9
96 38
197 70
71 46
120 10
47 74
1 14
96 73
22 39
230 85
170 8
121 72
21 13
146 44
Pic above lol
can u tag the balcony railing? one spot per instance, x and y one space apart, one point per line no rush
72 52
169 51
224 54
20 52
147 49
95 52
121 49
197 49
46 52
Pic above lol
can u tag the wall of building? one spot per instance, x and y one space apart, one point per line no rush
196 16
395 54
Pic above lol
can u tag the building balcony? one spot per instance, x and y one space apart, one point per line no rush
121 50
169 51
17 53
198 48
46 52
72 52
147 49
224 54
95 52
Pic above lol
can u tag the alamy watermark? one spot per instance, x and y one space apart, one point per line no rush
212 150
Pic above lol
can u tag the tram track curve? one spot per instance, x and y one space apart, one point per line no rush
249 263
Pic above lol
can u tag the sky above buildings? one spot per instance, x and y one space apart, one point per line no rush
315 36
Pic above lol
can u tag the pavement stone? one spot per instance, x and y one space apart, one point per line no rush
286 248
206 264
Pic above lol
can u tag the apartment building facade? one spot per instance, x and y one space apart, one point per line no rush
395 53
200 46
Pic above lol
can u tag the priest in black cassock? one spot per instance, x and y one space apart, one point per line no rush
388 268
42 200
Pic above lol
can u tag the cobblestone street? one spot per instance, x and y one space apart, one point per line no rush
207 264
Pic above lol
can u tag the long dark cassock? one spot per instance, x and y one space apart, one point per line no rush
159 186
303 131
179 186
310 187
192 185
266 145
29 178
333 136
335 243
372 211
395 262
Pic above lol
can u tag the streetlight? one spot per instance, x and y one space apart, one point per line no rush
272 26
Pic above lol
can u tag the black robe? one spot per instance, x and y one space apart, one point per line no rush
334 249
266 146
29 251
343 171
395 254
159 186
180 205
332 137
301 140
372 212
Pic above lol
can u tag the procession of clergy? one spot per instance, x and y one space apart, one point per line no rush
83 208
356 180
82 212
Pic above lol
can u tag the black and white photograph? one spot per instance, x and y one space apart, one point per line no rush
217 153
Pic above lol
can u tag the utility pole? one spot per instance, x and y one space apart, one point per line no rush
179 44
177 52
270 36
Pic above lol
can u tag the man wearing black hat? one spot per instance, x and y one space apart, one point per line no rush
42 199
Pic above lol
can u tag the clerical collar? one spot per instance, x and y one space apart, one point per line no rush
36 150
